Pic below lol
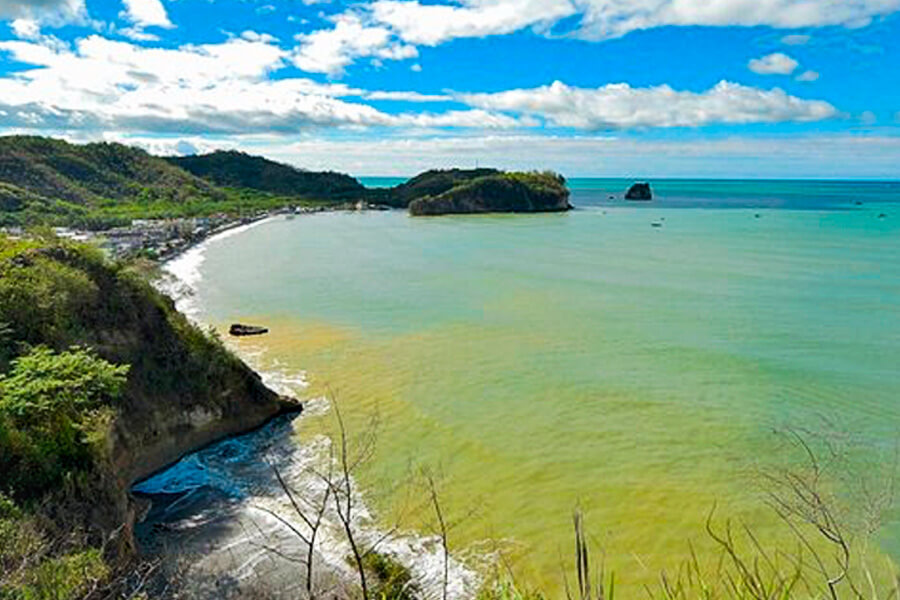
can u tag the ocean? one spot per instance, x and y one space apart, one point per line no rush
640 361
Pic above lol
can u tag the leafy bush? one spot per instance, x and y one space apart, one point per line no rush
49 405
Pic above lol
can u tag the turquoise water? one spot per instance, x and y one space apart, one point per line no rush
705 193
540 361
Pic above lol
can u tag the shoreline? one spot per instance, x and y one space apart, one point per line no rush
417 552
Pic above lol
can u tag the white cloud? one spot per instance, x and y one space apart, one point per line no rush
808 75
147 13
773 64
388 23
408 96
26 29
331 50
832 155
215 88
162 146
610 18
796 39
53 12
619 106
227 88
433 24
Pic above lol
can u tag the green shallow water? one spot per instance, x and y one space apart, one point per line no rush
542 361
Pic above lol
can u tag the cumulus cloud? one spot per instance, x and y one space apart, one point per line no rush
215 88
27 29
433 24
331 50
620 106
808 75
611 18
147 13
821 155
773 64
54 12
390 24
228 88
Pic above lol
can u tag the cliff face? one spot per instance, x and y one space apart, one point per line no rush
501 192
183 391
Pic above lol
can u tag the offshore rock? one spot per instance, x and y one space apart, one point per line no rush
639 192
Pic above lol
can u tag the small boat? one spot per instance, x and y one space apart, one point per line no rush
239 330
656 224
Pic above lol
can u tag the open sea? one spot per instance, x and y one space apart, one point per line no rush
634 359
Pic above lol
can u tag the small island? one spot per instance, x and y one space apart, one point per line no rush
498 192
639 192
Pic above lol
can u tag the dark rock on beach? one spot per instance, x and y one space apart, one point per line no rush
640 192
237 329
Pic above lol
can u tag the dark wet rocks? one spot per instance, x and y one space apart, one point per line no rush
240 330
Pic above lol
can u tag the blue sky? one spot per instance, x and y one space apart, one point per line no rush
652 88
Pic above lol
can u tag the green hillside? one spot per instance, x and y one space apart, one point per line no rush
239 170
498 192
52 181
429 183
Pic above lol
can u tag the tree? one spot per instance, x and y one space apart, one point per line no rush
50 405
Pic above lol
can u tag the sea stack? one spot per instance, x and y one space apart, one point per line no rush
639 191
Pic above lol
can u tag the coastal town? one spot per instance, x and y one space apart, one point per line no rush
161 239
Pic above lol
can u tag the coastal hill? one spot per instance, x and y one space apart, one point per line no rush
102 382
429 183
49 180
45 181
239 170
498 192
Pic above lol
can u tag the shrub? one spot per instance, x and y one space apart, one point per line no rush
50 410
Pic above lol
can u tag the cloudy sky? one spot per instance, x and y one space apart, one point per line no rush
711 88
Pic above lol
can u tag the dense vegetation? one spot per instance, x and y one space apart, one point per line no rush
498 192
429 183
233 169
45 181
97 369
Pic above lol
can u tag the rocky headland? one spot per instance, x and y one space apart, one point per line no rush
497 192
67 309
